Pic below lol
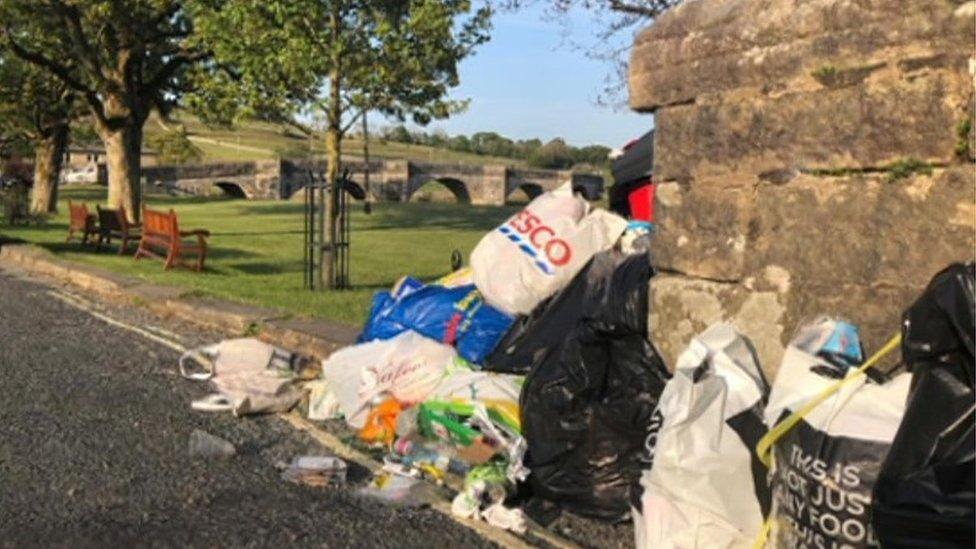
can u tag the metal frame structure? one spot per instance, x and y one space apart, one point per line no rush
317 191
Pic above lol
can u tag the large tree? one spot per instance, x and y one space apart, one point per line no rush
340 57
38 108
122 57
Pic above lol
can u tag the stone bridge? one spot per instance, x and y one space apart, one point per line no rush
390 180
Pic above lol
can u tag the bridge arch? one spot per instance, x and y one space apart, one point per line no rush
524 192
232 190
457 188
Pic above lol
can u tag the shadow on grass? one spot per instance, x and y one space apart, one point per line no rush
283 267
46 227
453 217
253 233
282 208
213 254
74 247
10 240
398 215
221 252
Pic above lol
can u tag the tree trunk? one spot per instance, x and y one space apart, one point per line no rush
333 148
369 197
48 158
123 149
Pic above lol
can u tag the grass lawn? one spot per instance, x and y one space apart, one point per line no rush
256 248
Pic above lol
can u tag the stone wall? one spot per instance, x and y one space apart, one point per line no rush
815 157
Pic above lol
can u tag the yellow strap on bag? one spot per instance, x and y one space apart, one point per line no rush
764 448
765 445
763 534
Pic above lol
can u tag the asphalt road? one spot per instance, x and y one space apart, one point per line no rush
94 429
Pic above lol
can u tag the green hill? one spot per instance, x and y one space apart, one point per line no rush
255 140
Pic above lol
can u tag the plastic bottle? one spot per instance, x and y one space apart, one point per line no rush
205 445
416 454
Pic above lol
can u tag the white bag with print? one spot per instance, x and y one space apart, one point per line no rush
705 487
407 367
540 249
825 467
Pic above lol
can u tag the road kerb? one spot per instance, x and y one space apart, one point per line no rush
317 338
30 259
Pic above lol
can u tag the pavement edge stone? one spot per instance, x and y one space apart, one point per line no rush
314 337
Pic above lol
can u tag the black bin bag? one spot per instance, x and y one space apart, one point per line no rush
593 383
925 495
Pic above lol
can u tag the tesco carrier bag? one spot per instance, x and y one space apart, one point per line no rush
705 486
540 249
831 427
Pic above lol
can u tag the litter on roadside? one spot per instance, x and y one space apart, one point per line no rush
926 488
824 460
399 490
316 471
485 489
407 368
453 315
531 376
249 376
706 487
593 385
540 249
204 445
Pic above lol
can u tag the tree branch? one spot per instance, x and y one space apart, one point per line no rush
653 10
168 70
298 125
72 19
351 123
59 70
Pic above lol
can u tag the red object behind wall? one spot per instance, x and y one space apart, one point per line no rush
642 203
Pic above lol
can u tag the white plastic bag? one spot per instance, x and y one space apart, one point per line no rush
407 367
249 375
702 489
825 467
461 382
540 249
322 402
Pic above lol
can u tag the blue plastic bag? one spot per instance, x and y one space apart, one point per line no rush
455 316
380 325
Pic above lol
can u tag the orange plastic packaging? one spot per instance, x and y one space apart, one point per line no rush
381 422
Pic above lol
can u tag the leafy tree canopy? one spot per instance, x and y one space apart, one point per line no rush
398 57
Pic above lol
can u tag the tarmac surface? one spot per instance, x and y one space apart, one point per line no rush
94 430
95 422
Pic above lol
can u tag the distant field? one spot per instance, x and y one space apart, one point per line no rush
257 248
262 141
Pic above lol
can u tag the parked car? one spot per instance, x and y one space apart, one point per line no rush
87 174
633 172
590 186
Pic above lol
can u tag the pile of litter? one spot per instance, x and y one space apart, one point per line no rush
839 452
530 375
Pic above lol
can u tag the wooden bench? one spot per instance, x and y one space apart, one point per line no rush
80 220
114 223
163 239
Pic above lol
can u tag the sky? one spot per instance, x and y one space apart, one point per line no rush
528 81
